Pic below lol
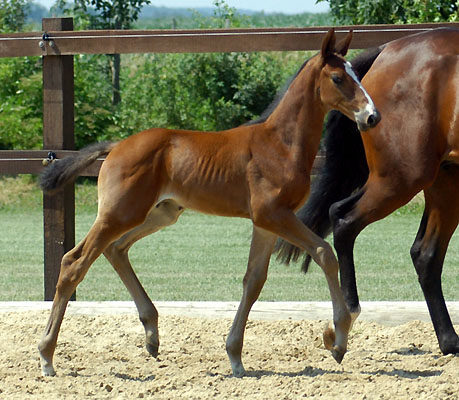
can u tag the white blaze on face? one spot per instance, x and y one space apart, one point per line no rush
370 108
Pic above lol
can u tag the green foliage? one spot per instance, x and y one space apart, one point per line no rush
21 106
95 116
190 91
106 14
225 16
202 91
20 86
113 14
13 15
393 11
21 124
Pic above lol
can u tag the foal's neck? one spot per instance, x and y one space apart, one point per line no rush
297 120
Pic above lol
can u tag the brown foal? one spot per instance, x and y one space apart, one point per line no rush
259 171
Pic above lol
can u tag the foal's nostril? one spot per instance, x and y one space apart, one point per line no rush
373 119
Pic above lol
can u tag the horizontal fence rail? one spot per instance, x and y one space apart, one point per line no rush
58 43
14 162
196 41
32 161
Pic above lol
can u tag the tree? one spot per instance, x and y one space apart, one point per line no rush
393 11
13 15
110 14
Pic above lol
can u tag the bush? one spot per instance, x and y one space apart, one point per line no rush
21 103
21 110
201 91
95 116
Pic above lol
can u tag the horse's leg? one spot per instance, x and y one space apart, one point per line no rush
377 199
164 214
74 267
254 279
439 221
287 225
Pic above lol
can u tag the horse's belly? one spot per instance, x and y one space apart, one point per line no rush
221 201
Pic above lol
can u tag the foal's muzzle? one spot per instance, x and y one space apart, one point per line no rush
367 119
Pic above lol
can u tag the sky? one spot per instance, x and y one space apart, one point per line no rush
285 6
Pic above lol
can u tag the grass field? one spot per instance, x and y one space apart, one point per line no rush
204 257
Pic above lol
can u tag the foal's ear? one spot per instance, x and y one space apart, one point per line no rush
343 46
328 44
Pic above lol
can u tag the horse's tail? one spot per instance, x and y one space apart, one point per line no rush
345 170
64 170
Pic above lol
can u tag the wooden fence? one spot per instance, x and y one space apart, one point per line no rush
58 43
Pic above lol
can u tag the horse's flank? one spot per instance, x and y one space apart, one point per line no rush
415 82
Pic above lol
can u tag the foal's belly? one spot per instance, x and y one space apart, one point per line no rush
222 201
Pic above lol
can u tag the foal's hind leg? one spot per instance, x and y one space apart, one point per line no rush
254 279
163 214
74 266
440 219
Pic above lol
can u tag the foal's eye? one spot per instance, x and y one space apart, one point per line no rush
336 79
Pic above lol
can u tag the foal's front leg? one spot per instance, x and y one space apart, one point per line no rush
254 279
285 223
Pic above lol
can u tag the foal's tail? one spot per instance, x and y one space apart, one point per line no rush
345 170
65 170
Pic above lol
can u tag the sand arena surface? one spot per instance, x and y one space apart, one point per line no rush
103 357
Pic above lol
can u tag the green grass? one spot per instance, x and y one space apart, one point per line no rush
204 257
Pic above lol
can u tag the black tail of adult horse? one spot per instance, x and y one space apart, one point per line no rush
345 170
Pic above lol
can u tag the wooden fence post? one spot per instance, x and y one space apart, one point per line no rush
58 134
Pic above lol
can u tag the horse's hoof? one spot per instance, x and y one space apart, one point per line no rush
450 346
153 349
338 354
238 369
48 370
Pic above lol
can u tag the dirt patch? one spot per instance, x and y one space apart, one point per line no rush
104 357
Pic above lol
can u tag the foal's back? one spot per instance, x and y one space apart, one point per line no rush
205 171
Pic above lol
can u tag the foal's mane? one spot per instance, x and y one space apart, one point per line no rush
280 94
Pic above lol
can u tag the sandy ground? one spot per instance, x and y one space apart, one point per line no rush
103 357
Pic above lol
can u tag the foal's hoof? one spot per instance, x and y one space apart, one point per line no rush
47 370
329 340
153 349
238 370
338 354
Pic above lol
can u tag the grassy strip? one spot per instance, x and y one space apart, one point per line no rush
204 257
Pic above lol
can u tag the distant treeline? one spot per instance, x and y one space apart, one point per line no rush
153 17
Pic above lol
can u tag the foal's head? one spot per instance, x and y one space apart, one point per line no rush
340 88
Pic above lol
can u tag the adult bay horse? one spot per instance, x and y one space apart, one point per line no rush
366 176
259 171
